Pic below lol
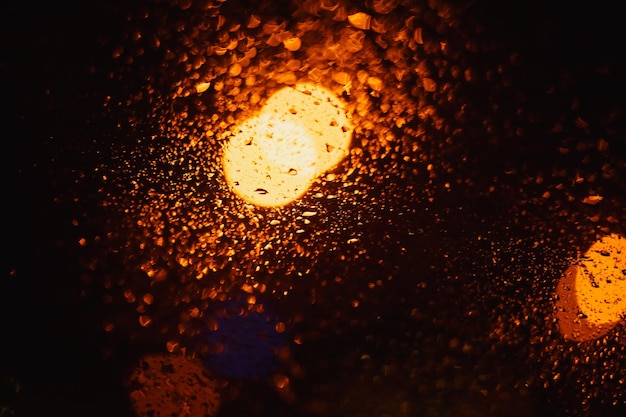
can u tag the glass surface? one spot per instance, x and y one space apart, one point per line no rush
446 239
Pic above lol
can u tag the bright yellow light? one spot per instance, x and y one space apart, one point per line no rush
592 294
601 288
273 157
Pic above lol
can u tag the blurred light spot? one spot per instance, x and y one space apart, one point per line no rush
145 321
360 20
592 199
172 346
292 44
280 381
148 298
273 157
280 327
592 294
202 87
170 385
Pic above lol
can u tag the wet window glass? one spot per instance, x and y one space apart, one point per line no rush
314 208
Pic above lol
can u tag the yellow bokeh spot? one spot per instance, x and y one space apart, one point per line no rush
273 157
592 294
601 282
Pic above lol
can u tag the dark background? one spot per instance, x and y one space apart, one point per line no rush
50 337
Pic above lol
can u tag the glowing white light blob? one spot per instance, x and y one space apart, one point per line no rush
273 157
592 294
